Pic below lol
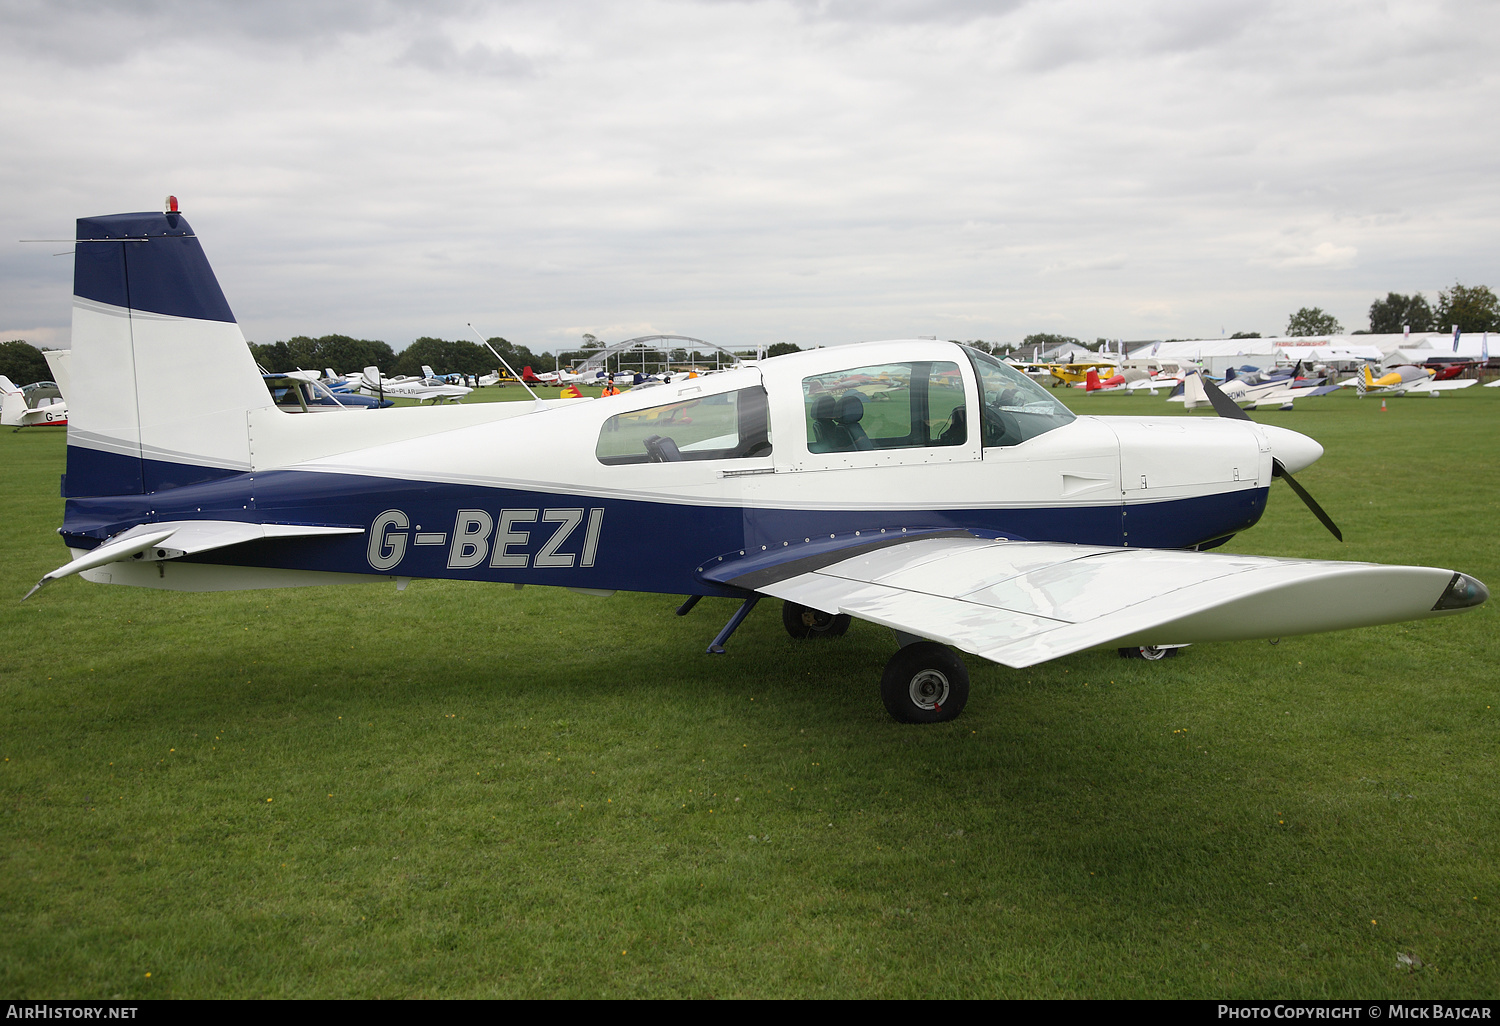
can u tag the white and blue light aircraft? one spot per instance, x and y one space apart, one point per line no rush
36 405
917 484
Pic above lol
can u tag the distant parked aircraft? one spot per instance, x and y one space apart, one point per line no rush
39 404
1403 380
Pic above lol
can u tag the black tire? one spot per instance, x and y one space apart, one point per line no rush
1150 652
803 622
925 683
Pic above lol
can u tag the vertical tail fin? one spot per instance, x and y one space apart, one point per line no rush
12 403
60 363
1194 394
161 376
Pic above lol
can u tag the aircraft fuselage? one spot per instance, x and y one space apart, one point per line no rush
528 499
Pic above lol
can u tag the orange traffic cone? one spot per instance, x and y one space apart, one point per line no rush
1382 406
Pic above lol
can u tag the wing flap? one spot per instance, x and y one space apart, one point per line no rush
952 621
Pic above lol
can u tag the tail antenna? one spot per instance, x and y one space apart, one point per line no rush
485 342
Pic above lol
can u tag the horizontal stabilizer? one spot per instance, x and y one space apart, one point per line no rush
187 537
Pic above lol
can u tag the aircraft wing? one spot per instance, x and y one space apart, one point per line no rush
1446 385
44 415
1020 603
182 538
1282 396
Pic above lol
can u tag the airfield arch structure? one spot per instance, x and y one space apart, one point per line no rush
644 344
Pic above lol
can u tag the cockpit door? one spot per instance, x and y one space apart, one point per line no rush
887 414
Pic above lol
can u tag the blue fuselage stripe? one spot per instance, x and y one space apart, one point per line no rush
638 544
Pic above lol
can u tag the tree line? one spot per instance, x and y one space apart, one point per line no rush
23 362
1470 307
348 355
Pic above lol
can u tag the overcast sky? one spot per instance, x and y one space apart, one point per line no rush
756 171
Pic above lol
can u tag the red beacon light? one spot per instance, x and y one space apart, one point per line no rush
171 205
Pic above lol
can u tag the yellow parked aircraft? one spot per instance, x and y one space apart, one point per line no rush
1401 380
1077 373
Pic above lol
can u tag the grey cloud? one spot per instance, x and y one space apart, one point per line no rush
436 52
1103 262
94 31
906 11
1186 26
1057 35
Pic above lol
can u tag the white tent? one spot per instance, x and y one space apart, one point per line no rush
1332 353
1472 345
1216 354
1213 354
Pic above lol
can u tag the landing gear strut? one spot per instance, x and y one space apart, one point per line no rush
1151 652
805 622
925 683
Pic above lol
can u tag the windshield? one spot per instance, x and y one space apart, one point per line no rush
1014 407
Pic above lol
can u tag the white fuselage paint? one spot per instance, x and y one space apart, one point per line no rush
1093 461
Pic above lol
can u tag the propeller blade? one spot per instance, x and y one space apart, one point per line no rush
1223 405
1278 469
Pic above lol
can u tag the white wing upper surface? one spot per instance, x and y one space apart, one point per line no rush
1021 603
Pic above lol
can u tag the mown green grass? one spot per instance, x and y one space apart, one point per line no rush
469 791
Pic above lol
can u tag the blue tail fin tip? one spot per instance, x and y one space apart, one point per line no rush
156 266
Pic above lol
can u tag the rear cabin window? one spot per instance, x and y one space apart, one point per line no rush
727 426
885 406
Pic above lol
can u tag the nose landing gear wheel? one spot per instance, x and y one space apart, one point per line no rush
925 683
803 622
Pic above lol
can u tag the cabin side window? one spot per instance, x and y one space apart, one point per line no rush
727 426
885 406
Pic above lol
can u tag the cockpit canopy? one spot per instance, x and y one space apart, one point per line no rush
941 399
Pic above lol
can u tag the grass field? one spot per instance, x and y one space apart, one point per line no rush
468 791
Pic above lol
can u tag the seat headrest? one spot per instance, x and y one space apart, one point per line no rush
825 407
851 408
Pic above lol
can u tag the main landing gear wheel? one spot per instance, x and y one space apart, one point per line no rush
803 622
1151 652
925 683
